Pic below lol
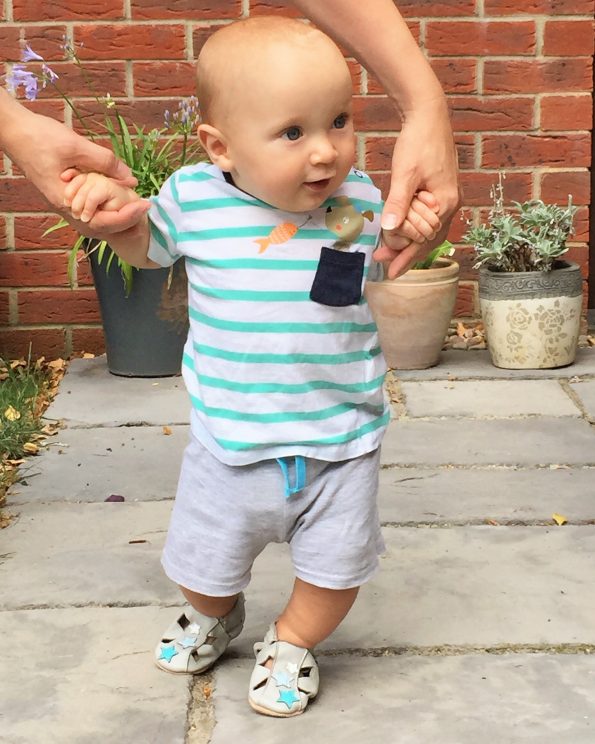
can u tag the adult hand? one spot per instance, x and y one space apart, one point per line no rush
43 148
424 158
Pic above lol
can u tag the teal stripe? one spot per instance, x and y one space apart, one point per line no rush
199 176
280 387
174 189
255 263
246 358
171 228
279 417
349 436
252 295
258 263
248 327
199 205
352 178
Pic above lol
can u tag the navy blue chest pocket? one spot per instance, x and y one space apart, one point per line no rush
338 279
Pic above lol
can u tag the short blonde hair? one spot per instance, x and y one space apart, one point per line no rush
230 49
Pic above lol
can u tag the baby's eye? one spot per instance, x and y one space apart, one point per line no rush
340 121
293 133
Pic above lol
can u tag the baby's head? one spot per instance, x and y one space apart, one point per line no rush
275 100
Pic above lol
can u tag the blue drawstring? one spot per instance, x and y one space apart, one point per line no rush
300 474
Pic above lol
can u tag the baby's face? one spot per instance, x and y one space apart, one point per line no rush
293 143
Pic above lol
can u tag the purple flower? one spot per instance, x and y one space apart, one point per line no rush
49 76
20 76
28 55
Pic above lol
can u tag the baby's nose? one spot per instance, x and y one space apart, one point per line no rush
323 151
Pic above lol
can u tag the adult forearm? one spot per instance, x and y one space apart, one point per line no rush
376 34
12 118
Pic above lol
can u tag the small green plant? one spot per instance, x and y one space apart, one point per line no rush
444 249
151 155
529 238
26 388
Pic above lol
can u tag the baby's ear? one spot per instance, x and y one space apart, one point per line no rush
215 145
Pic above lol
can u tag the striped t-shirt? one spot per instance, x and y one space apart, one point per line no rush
270 372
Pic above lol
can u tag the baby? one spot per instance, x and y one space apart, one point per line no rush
282 362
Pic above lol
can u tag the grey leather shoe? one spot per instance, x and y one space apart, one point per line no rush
286 689
194 641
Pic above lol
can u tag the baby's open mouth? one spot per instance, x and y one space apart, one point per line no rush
318 185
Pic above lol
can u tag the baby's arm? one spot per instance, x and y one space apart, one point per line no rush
88 193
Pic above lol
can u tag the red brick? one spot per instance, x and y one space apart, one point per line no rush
465 257
556 186
372 113
35 269
200 34
98 79
67 10
356 72
47 342
511 151
568 38
475 38
28 233
143 112
273 7
164 78
186 9
581 225
9 43
537 76
379 151
53 306
456 75
18 195
465 151
488 114
3 232
90 340
580 255
538 7
436 8
46 41
130 41
476 186
4 309
466 305
570 112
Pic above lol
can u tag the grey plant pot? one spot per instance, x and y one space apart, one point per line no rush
146 331
532 319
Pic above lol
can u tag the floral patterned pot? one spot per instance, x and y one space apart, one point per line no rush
532 318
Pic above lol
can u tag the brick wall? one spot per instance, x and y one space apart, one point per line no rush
518 74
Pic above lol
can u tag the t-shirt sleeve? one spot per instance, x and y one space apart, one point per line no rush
164 216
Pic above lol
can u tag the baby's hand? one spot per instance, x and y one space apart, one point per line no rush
88 192
422 221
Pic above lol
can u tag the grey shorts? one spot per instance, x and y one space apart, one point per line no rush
224 516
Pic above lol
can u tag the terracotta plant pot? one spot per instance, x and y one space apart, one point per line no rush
413 313
532 318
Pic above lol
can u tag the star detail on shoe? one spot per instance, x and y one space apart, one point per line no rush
292 667
188 641
283 679
288 697
193 629
168 653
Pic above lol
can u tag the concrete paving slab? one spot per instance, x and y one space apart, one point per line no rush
534 441
460 494
455 586
83 676
477 364
481 398
585 390
123 400
419 700
140 463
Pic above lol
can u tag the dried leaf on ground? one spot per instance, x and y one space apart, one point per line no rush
559 519
167 430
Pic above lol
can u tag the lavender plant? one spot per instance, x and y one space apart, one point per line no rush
152 155
530 238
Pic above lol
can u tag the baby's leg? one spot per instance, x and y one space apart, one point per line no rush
210 606
313 613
